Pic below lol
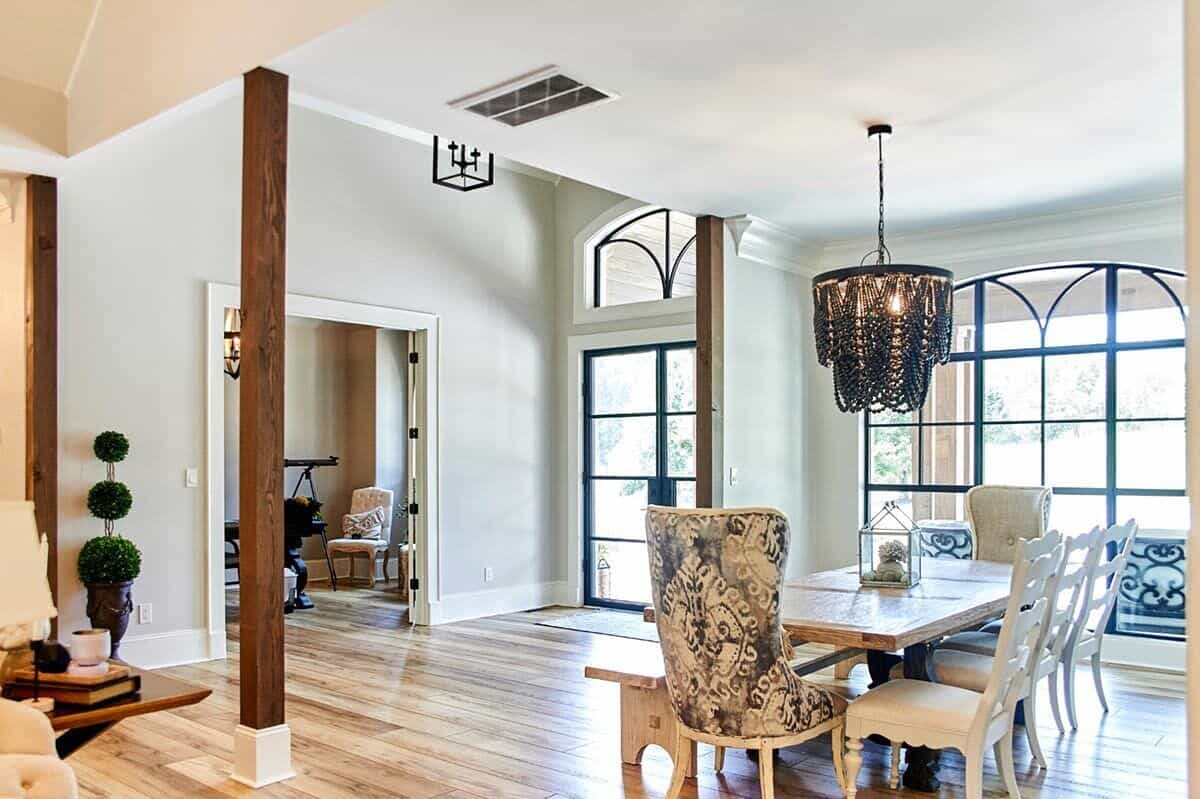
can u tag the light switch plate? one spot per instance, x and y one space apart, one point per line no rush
733 475
145 613
191 477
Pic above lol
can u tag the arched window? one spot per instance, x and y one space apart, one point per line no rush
1070 376
649 257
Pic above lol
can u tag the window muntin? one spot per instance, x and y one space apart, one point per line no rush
1075 381
647 258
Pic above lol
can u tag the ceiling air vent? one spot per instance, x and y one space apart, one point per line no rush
531 97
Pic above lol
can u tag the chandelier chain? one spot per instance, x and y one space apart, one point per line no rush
882 247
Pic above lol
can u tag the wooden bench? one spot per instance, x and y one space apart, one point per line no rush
646 714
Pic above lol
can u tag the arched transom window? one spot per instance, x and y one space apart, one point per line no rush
649 257
1069 376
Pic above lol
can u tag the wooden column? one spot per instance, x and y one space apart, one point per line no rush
41 360
260 392
710 360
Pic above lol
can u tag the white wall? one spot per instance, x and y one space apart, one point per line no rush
149 217
12 347
1145 232
766 321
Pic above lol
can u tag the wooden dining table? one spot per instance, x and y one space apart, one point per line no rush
832 607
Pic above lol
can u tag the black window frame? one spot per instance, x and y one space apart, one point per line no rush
666 268
979 357
661 487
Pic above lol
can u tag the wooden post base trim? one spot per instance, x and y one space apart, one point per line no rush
647 718
261 757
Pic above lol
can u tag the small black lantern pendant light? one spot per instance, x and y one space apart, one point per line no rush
883 327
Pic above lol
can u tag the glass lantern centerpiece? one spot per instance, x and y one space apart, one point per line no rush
889 549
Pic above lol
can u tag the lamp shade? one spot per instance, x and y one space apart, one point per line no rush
24 589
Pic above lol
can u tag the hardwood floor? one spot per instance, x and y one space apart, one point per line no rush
499 708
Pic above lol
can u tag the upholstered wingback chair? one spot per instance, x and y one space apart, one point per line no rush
29 764
715 578
1001 516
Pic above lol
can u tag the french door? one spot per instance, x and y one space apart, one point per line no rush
639 447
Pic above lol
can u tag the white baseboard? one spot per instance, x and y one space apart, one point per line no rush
261 757
493 602
176 648
1154 654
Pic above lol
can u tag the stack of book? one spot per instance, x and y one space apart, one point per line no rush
72 689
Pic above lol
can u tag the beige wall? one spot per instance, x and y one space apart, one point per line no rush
391 419
12 348
329 409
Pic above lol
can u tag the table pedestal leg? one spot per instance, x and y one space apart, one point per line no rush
292 559
921 763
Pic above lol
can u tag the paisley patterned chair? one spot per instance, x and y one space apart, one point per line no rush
715 577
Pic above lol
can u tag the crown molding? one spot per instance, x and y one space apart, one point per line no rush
1027 237
756 239
357 117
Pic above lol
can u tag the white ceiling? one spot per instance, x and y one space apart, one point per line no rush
40 40
1001 109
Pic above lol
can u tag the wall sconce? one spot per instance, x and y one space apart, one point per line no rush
233 342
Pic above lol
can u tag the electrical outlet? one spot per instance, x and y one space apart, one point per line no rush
191 477
145 613
733 475
488 574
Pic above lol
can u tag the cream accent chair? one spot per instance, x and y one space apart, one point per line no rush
361 501
1000 516
940 716
1099 598
716 576
29 764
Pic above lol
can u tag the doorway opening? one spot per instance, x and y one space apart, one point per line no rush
360 460
639 449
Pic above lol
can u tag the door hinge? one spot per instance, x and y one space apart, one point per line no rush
414 584
413 509
412 432
414 358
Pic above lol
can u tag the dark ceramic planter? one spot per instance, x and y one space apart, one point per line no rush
109 606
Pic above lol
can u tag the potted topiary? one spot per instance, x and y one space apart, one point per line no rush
108 564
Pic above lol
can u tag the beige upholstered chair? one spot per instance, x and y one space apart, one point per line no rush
942 716
1000 516
362 501
29 764
715 578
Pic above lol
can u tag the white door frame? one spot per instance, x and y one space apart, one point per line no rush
425 538
576 346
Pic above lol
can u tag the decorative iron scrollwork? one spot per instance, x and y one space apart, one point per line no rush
946 544
1155 578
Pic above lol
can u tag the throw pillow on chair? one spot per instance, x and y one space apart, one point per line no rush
368 524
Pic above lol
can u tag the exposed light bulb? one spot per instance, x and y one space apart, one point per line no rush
896 307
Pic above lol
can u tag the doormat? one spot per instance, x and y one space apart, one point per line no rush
622 624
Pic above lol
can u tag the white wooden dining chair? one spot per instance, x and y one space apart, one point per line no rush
941 716
965 659
1086 638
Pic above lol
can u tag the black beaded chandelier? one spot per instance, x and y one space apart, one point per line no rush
882 327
